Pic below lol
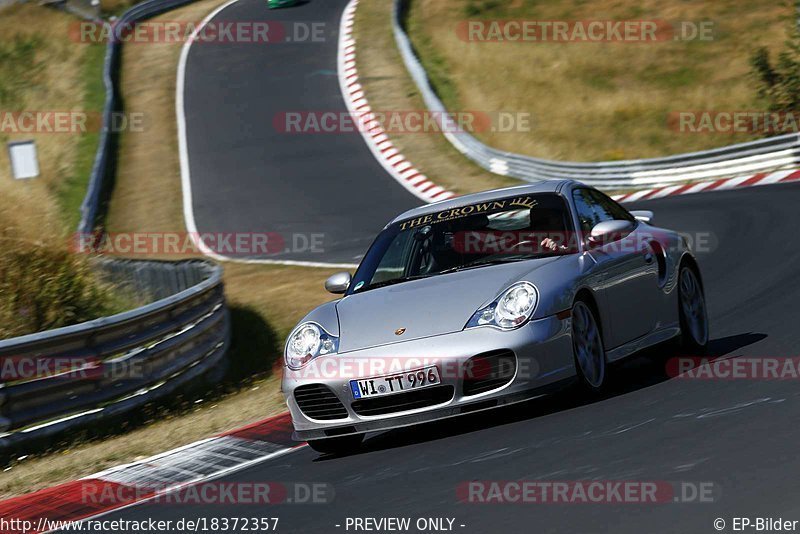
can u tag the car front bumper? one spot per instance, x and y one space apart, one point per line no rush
542 349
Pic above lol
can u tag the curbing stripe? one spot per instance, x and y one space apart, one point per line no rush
65 502
138 482
738 182
375 136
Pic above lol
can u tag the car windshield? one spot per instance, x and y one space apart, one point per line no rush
466 237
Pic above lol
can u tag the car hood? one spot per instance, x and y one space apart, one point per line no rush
427 307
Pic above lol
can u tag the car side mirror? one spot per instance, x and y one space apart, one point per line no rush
643 215
338 283
608 231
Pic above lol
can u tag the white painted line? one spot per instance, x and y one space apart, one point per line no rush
186 180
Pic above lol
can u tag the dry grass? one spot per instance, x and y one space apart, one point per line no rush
388 87
266 301
147 190
598 101
43 70
54 78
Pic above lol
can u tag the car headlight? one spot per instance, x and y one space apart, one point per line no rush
510 310
306 342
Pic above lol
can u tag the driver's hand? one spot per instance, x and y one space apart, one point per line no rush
552 245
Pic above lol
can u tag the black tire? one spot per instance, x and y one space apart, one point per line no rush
337 446
588 348
692 311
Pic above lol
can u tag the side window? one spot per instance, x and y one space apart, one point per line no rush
611 208
589 212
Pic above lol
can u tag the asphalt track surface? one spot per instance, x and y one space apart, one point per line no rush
248 174
741 435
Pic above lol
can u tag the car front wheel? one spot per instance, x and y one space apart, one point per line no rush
693 313
587 344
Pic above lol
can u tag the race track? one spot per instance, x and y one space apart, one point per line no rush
737 434
249 175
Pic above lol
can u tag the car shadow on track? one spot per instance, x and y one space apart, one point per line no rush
647 368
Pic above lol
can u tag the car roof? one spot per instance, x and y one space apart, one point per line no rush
545 186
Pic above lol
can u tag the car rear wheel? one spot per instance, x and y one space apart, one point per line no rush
693 312
587 344
337 446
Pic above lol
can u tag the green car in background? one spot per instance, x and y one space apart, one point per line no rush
275 4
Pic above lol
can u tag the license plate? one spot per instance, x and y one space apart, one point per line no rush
396 383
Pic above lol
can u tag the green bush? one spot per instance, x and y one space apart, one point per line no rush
778 80
44 287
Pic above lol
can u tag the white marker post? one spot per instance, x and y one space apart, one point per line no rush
24 159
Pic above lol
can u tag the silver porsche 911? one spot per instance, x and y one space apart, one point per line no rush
485 300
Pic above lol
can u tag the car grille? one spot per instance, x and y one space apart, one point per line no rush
401 402
488 371
318 402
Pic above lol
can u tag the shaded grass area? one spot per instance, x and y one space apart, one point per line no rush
599 101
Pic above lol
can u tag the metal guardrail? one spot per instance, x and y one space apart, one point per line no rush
775 153
123 361
104 164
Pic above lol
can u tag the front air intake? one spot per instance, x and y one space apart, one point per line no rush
488 371
318 402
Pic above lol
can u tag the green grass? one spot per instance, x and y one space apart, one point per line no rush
19 69
46 287
72 190
435 65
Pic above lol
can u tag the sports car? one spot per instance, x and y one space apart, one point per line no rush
484 300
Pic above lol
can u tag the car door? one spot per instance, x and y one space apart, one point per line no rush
628 274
